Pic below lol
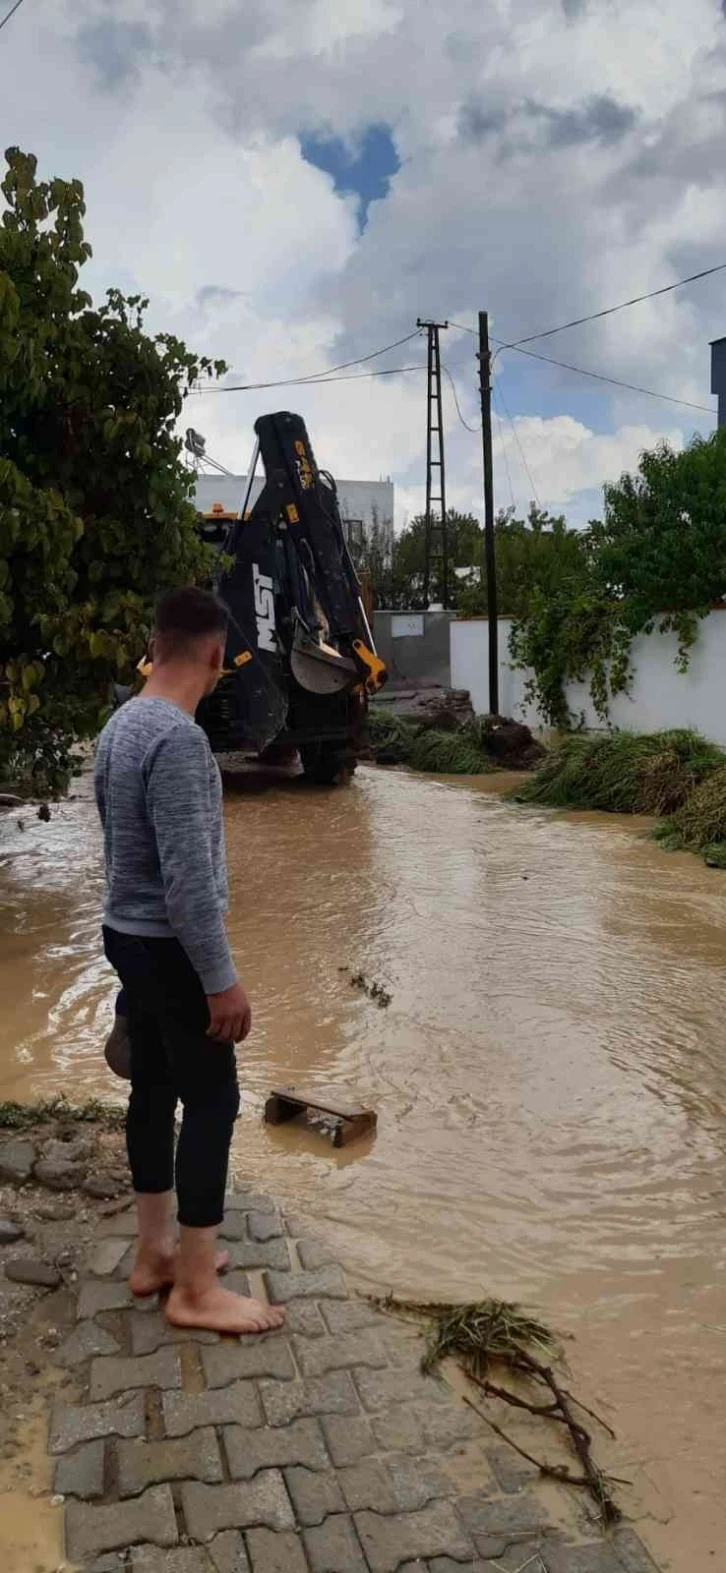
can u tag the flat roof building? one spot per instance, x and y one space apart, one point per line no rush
718 377
361 503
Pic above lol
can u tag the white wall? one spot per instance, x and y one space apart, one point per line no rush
658 696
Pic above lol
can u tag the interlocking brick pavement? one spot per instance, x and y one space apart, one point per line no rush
318 1450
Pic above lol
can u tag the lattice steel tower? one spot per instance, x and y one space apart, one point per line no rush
436 544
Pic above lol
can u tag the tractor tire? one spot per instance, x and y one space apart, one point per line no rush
327 764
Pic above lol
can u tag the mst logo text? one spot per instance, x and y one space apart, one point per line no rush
264 610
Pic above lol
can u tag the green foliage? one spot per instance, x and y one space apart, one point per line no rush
535 555
623 772
464 546
571 633
677 774
398 742
663 541
699 824
391 737
656 561
450 754
21 1116
95 510
477 1335
532 552
396 565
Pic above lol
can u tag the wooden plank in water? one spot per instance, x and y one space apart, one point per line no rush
351 1121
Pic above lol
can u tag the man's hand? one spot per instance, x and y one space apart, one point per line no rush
230 1015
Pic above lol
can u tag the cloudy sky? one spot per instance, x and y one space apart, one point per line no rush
293 182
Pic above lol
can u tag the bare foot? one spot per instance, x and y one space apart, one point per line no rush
156 1271
222 1311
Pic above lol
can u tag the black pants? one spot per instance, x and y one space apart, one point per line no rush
172 1059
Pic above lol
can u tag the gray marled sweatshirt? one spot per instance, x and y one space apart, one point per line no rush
159 794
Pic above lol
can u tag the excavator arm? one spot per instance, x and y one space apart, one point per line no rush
299 636
319 610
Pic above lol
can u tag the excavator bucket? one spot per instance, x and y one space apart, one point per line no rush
319 668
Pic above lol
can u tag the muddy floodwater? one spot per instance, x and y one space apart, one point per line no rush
549 1076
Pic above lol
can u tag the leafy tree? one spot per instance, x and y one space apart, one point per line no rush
532 552
374 559
464 536
656 560
395 566
533 555
662 543
95 510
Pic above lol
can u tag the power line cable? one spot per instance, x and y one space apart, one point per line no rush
503 449
10 13
322 376
307 382
474 429
599 376
608 311
519 445
362 359
582 371
329 374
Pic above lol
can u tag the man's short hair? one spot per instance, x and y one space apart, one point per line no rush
185 616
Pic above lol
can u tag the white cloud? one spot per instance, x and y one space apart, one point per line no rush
555 158
565 457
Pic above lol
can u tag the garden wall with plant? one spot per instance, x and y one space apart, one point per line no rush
658 697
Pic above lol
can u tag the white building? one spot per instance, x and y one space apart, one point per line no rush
361 503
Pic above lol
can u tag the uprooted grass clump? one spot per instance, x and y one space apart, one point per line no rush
375 991
450 754
699 825
478 1334
623 772
21 1116
390 737
494 1336
395 741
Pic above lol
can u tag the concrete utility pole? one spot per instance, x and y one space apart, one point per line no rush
435 437
485 389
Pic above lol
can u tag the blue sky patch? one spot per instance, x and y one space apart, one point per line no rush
365 168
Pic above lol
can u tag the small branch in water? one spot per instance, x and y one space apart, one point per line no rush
591 1412
480 1335
581 1441
550 1411
554 1471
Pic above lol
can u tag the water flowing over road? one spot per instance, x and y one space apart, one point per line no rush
549 1076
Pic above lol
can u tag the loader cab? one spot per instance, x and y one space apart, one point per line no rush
214 525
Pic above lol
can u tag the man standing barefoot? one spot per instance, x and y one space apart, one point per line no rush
159 794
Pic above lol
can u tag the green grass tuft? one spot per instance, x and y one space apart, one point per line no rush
398 742
624 772
20 1116
477 1334
390 737
450 754
699 824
